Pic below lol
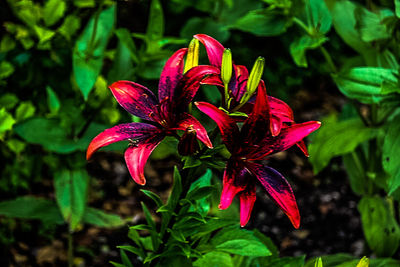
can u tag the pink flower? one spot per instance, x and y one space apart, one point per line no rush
248 147
164 116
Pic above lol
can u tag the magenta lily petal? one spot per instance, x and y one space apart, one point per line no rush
280 109
303 147
247 200
242 75
278 189
134 131
234 181
171 75
191 81
136 157
227 125
276 125
136 99
213 80
186 120
214 49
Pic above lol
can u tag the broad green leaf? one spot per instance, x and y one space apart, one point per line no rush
267 242
155 26
53 11
244 247
52 100
24 111
32 208
43 34
379 225
397 7
16 146
319 16
124 36
7 43
69 27
8 101
27 11
214 259
6 69
318 262
299 47
71 187
365 83
122 67
371 25
190 162
6 122
232 233
261 22
336 138
354 164
89 49
207 26
100 218
287 262
391 157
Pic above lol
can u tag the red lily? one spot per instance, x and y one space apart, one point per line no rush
175 92
281 113
248 147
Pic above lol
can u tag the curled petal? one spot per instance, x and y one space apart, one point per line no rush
276 125
280 109
136 157
227 125
213 79
278 189
190 83
171 75
234 181
188 121
303 148
135 98
242 75
134 130
247 200
214 49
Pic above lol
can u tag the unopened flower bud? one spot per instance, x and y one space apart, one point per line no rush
226 66
192 57
188 144
255 76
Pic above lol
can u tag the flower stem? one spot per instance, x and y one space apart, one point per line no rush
328 59
70 249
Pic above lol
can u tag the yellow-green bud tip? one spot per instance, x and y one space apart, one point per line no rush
226 66
192 57
255 76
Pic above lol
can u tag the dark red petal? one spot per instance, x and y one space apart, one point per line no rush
234 181
257 125
190 83
213 79
135 98
186 120
171 75
227 125
214 49
303 148
136 157
278 189
134 131
247 200
276 125
288 136
242 75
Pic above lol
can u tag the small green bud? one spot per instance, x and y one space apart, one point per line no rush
192 57
255 76
226 67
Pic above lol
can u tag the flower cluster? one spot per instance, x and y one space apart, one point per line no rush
267 123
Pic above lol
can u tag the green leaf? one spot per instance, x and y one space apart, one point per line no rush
287 262
364 262
122 67
207 26
43 34
371 25
134 250
100 218
261 22
52 100
53 11
84 3
214 259
32 208
153 196
28 11
380 227
354 164
89 49
152 224
125 259
331 260
318 262
244 247
6 69
365 83
319 16
299 47
16 146
24 111
71 194
390 157
155 26
70 26
190 162
397 7
336 138
176 190
8 101
6 122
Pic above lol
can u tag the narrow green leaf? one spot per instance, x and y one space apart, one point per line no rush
155 27
390 157
152 224
52 100
318 262
397 7
100 218
6 122
380 227
125 259
134 250
53 11
89 49
153 196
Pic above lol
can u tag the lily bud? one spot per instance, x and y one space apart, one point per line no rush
255 76
192 58
226 66
188 144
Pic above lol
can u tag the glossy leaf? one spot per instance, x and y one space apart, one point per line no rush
390 157
319 16
244 247
215 259
379 225
89 50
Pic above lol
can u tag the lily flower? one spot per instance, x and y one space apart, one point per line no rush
281 113
164 116
248 147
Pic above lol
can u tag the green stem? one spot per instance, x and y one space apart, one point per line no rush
302 25
328 59
70 249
